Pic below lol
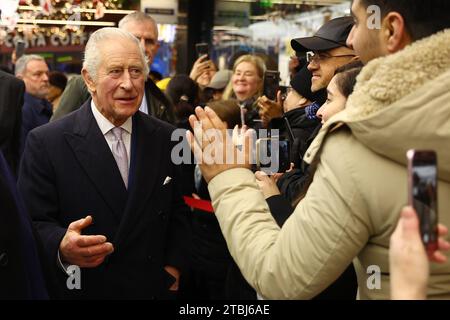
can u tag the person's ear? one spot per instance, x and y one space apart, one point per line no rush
394 32
90 83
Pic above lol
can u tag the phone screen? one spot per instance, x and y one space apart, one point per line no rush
202 49
423 194
273 155
271 84
20 49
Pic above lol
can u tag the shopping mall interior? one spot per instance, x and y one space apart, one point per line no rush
58 30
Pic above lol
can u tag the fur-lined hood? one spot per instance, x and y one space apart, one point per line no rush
401 102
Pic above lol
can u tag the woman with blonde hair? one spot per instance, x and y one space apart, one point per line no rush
246 85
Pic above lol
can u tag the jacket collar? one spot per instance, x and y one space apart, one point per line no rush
92 152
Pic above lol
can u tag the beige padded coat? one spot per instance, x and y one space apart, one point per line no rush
351 209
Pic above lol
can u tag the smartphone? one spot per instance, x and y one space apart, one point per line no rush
20 48
422 194
271 84
202 49
273 155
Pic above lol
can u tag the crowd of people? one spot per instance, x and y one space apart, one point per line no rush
88 178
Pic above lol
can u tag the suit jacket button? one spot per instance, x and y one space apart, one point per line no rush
3 259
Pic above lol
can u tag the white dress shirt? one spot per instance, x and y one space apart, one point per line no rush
144 106
105 127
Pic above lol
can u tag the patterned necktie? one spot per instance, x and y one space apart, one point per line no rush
120 154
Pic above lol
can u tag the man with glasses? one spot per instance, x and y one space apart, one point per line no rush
326 50
36 111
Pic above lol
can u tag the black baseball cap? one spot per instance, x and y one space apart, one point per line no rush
332 34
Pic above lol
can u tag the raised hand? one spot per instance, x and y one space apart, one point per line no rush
215 149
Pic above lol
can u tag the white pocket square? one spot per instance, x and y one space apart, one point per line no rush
167 180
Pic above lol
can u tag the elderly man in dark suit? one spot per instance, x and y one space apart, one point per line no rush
101 187
11 102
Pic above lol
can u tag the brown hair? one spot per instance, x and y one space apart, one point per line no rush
346 77
228 111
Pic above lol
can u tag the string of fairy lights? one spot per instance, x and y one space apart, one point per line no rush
63 9
60 17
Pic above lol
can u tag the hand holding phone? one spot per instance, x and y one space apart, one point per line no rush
273 155
202 64
202 49
422 194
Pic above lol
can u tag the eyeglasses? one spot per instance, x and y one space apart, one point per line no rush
321 56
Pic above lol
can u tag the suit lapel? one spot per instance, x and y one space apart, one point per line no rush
95 157
145 158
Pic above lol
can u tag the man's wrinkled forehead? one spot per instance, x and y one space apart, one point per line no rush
138 27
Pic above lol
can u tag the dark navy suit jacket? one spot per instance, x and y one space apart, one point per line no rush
11 101
36 112
20 268
68 172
